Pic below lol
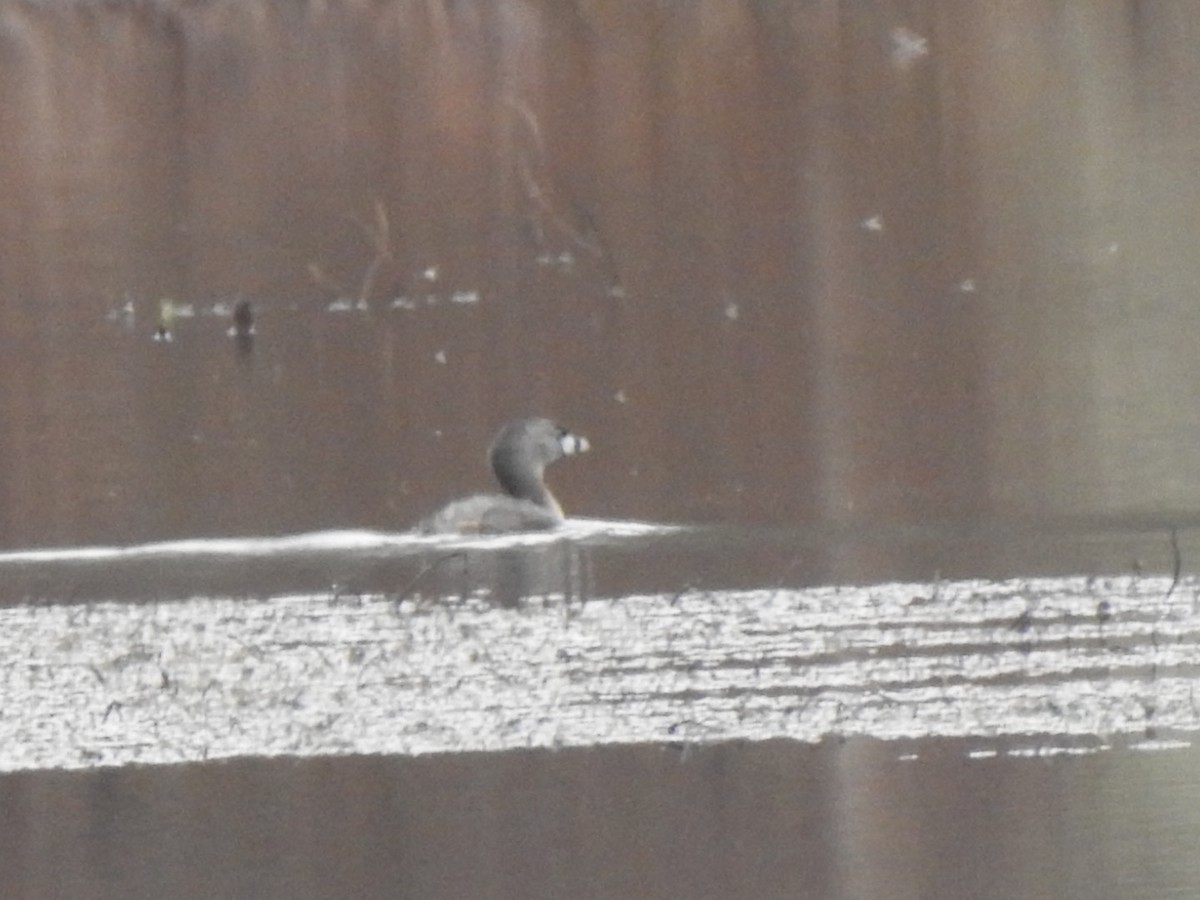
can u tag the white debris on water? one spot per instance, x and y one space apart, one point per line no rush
908 47
1026 665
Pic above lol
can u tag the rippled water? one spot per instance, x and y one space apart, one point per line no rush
1034 665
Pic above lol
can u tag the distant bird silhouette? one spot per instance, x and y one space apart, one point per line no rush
243 319
242 329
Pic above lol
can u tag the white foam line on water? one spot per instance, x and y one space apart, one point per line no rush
331 541
1033 666
324 540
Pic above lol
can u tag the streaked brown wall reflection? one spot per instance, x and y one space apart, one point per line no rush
784 262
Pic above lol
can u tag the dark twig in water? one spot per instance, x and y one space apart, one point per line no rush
1023 622
678 595
379 234
1176 560
317 274
554 207
405 591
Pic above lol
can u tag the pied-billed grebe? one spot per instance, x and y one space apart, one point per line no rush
519 455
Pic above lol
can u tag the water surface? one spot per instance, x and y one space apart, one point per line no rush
889 305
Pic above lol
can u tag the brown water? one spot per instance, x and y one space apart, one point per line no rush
872 292
741 820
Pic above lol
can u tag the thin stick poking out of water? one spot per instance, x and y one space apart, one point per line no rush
1176 560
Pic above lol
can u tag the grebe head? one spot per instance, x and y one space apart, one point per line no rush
521 451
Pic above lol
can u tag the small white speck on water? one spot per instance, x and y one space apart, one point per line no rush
908 47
